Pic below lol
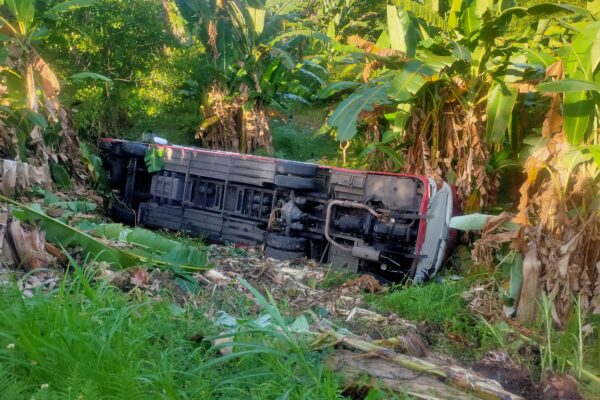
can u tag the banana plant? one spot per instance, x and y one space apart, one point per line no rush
246 70
459 70
143 247
581 90
580 103
31 116
466 34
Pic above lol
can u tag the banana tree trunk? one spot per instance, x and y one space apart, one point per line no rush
234 124
255 130
482 388
32 100
40 156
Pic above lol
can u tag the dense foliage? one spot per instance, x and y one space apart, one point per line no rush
500 98
467 90
123 69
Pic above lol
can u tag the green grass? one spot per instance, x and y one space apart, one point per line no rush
66 345
294 141
96 342
433 302
335 278
292 137
441 307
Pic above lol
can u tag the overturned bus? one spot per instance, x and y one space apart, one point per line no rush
394 226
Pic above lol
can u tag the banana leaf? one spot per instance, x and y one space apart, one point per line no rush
501 101
346 115
335 88
150 248
409 79
67 236
154 158
470 222
595 152
568 85
159 249
403 35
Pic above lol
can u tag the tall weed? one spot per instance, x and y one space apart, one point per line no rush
268 347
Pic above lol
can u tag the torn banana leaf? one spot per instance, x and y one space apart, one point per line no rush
179 255
75 206
152 245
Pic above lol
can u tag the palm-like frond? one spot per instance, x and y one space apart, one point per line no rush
427 13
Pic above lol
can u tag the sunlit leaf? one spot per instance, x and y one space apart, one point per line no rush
482 6
577 112
429 14
595 152
409 79
453 15
568 85
334 88
401 117
258 19
24 11
581 59
345 117
403 35
583 55
90 75
154 158
207 122
501 101
435 61
574 157
471 21
471 222
549 8
539 57
331 30
71 5
594 8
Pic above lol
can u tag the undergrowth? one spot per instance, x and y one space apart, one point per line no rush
92 341
440 307
335 278
430 302
294 138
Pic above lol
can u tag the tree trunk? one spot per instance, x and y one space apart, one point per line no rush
532 267
32 100
460 377
229 126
